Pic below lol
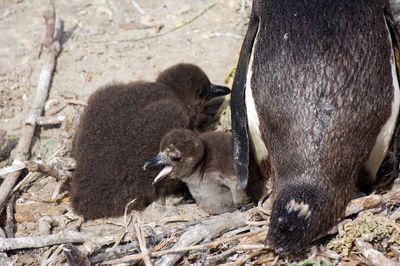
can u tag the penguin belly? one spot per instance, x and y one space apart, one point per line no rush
256 139
381 147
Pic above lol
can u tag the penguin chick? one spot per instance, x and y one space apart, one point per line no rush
122 127
200 100
113 140
204 162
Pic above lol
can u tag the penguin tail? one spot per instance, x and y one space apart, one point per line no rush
301 213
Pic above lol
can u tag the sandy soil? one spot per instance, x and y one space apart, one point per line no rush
108 41
104 41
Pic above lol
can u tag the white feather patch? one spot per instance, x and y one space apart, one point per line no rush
253 121
301 207
380 149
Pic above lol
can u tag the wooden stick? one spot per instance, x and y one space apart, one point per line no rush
3 134
52 48
138 257
56 239
51 260
142 243
364 203
10 217
74 102
32 176
206 245
375 257
49 121
47 170
4 259
119 251
15 167
206 230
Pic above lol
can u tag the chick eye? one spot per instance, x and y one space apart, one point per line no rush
176 158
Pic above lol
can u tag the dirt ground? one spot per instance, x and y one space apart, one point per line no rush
109 41
104 41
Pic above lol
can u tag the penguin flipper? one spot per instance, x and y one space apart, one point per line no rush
238 107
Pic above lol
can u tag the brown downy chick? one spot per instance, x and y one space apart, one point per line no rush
201 101
113 140
120 129
205 163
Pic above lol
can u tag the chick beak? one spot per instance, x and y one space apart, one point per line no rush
217 90
158 160
153 162
163 174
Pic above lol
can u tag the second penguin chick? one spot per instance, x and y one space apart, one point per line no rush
203 98
205 163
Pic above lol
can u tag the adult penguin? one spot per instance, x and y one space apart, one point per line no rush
316 95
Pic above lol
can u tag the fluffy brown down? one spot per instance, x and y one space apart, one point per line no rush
205 163
121 127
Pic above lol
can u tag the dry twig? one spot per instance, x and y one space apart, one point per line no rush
52 48
364 203
32 176
206 230
142 242
119 251
51 260
375 257
45 169
4 259
49 121
56 239
10 217
3 134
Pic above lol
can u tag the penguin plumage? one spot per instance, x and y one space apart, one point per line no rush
204 162
119 130
201 101
317 86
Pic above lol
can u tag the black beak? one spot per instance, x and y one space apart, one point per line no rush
153 162
217 90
